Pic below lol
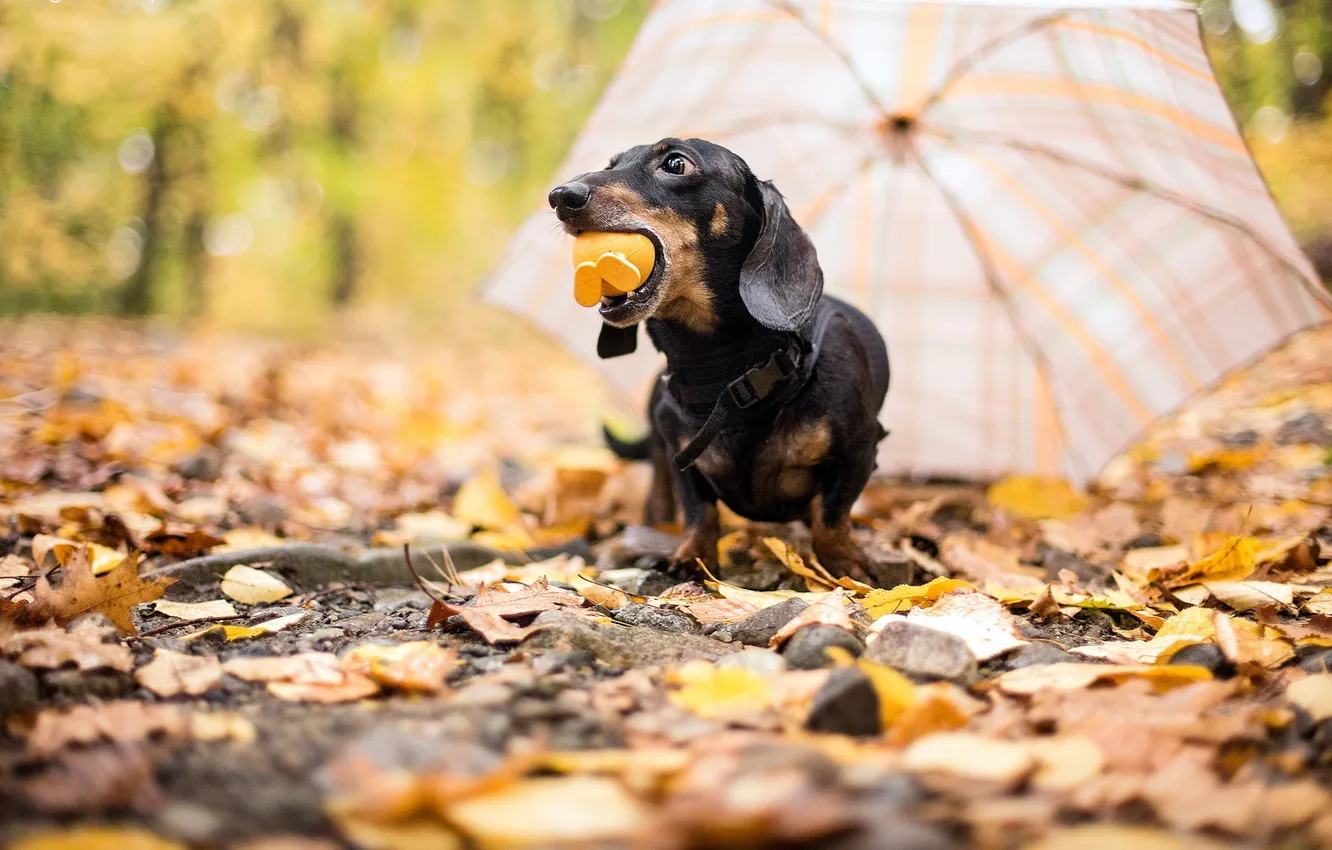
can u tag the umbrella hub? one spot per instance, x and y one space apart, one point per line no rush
898 132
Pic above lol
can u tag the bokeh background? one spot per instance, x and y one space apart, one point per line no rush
292 166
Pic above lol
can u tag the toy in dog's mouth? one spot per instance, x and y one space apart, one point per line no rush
616 272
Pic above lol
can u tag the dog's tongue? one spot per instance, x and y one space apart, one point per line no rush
610 264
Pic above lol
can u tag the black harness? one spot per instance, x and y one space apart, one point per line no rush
763 387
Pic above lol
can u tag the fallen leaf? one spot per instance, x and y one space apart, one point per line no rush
1065 762
103 559
1235 560
122 721
549 812
1031 497
982 623
84 645
880 602
830 610
80 592
353 687
815 576
1313 694
1067 676
720 610
489 611
195 610
1103 836
412 666
970 757
180 543
172 673
96 838
307 668
1248 595
250 586
481 501
720 693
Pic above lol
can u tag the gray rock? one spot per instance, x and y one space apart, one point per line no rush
847 704
331 633
1308 429
618 645
264 511
18 689
764 662
662 619
758 628
640 540
552 662
1033 654
203 465
647 582
361 623
923 653
84 686
805 650
395 598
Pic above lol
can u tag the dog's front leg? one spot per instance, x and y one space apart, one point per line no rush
702 522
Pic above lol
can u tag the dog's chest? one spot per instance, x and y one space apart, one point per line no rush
768 470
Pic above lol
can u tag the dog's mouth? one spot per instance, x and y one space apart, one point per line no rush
635 306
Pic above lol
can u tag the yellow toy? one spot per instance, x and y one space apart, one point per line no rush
610 264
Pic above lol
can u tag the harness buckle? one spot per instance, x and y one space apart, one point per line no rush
758 383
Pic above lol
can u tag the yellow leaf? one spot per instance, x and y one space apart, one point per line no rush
104 558
896 692
482 501
195 610
1227 460
1235 560
96 838
720 693
880 602
418 665
549 811
1072 676
1032 497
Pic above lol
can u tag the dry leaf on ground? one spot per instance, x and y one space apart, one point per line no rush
84 645
827 611
414 666
121 722
195 610
250 586
113 595
307 677
172 673
720 693
983 624
490 611
1072 676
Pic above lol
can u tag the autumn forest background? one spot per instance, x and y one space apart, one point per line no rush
276 165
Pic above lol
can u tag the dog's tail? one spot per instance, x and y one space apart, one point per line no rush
626 450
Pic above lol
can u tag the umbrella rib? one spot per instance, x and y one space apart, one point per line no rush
1038 358
842 55
965 66
1168 195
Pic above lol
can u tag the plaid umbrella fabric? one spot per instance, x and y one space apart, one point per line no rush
1047 208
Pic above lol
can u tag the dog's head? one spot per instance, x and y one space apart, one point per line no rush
725 241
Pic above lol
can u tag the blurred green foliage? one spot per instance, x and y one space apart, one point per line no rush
267 163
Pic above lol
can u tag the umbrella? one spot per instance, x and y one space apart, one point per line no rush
1046 207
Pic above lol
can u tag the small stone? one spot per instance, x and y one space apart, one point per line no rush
1036 653
18 689
330 633
552 662
640 540
396 598
805 649
647 581
1315 659
361 623
203 465
1057 560
846 705
1205 655
1245 439
85 686
662 619
764 662
758 628
264 511
923 653
1149 540
1307 429
617 645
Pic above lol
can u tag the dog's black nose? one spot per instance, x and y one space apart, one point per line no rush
570 196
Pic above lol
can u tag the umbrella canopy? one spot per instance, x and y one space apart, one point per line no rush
1046 207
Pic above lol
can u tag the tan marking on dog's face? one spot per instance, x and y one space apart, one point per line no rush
660 147
684 297
719 221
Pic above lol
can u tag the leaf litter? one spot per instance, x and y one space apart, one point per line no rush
1158 645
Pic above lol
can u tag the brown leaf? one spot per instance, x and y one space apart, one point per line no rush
84 646
414 666
121 722
179 543
171 673
106 778
828 611
489 611
308 677
80 592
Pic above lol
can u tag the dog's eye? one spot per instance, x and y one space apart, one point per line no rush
676 164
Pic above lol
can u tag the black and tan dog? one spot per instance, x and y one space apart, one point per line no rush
771 393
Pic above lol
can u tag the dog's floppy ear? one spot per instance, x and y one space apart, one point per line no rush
780 281
616 342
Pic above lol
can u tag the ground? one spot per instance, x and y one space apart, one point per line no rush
265 595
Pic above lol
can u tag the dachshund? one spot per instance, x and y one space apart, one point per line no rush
771 393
